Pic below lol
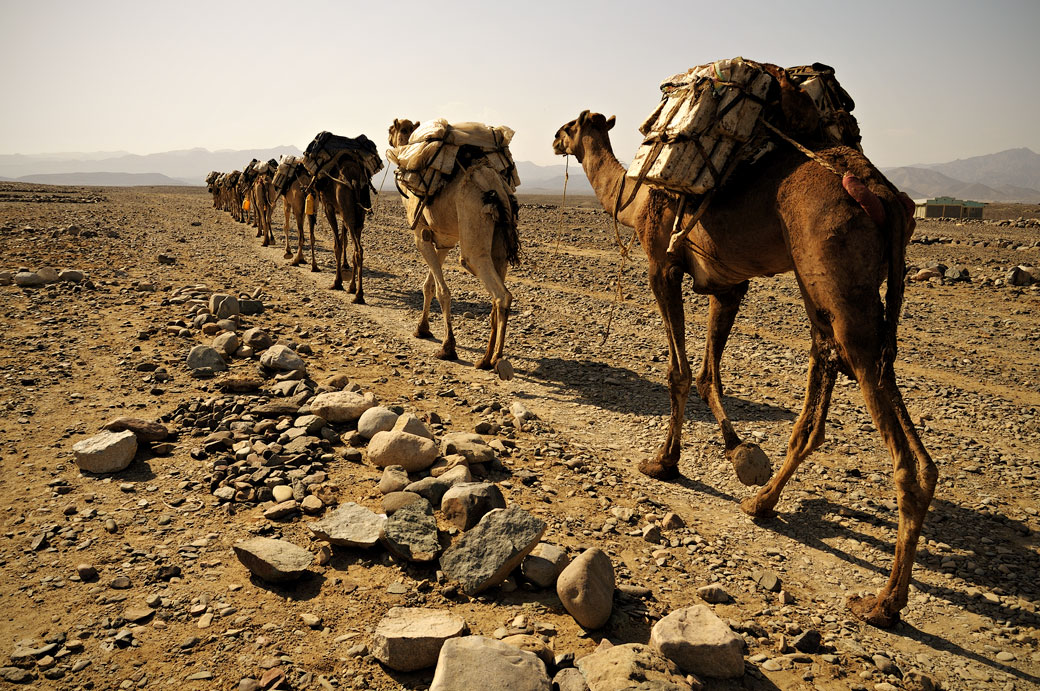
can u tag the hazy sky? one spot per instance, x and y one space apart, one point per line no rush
933 81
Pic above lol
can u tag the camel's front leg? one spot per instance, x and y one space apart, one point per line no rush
434 258
808 432
666 283
483 267
312 219
423 329
748 459
359 255
337 248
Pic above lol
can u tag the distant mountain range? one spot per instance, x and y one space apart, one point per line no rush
1007 176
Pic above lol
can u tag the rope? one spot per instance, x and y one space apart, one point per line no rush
619 292
563 204
808 152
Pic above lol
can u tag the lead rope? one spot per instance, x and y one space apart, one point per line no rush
563 204
619 290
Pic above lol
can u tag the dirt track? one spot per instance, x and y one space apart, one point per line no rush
968 365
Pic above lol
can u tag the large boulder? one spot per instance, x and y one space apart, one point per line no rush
351 525
276 561
413 425
223 305
586 588
476 662
466 503
697 640
410 638
282 358
410 451
376 419
341 406
411 533
631 666
107 452
469 445
257 339
487 554
544 564
145 430
205 357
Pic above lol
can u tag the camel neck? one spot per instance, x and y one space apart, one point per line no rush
606 174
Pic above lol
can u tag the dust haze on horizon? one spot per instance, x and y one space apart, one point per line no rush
933 81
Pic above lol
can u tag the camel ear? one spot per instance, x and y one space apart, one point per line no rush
610 122
397 123
583 117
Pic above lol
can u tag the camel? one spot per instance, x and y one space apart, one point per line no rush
294 202
477 212
344 189
785 213
264 199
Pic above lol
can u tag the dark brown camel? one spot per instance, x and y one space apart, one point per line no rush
351 202
786 213
263 201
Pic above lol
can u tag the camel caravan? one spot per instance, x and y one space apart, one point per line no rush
746 170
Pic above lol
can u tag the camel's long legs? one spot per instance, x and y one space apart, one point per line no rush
808 432
312 219
484 268
722 310
337 245
434 259
359 256
666 283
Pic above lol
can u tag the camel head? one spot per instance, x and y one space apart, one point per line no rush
569 137
401 130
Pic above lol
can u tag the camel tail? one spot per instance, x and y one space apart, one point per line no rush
501 204
900 227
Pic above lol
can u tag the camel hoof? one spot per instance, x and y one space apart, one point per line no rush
446 354
423 331
359 299
314 268
504 370
870 610
294 262
483 364
658 470
336 286
289 255
751 464
752 507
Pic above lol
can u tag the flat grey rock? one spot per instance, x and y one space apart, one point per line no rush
411 533
106 452
466 503
476 662
700 643
284 359
351 525
276 561
410 638
488 553
205 357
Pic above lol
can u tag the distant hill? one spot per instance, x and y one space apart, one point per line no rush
102 179
1007 176
189 166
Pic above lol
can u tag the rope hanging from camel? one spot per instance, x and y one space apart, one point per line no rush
563 204
624 251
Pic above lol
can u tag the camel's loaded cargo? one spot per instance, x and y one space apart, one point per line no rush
328 149
428 161
708 120
283 177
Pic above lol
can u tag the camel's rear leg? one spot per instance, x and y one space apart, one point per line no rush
840 286
299 234
750 462
337 248
434 259
359 255
492 274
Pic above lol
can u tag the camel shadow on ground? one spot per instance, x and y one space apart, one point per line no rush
621 390
816 519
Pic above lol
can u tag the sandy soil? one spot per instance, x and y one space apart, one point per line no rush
70 356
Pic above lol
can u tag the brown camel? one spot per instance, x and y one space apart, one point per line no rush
470 211
785 213
264 199
344 189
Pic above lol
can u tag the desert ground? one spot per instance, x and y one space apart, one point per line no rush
172 607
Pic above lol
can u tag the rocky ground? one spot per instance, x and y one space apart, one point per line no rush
171 606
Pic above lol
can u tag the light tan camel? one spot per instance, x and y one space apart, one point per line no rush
477 212
294 202
785 213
